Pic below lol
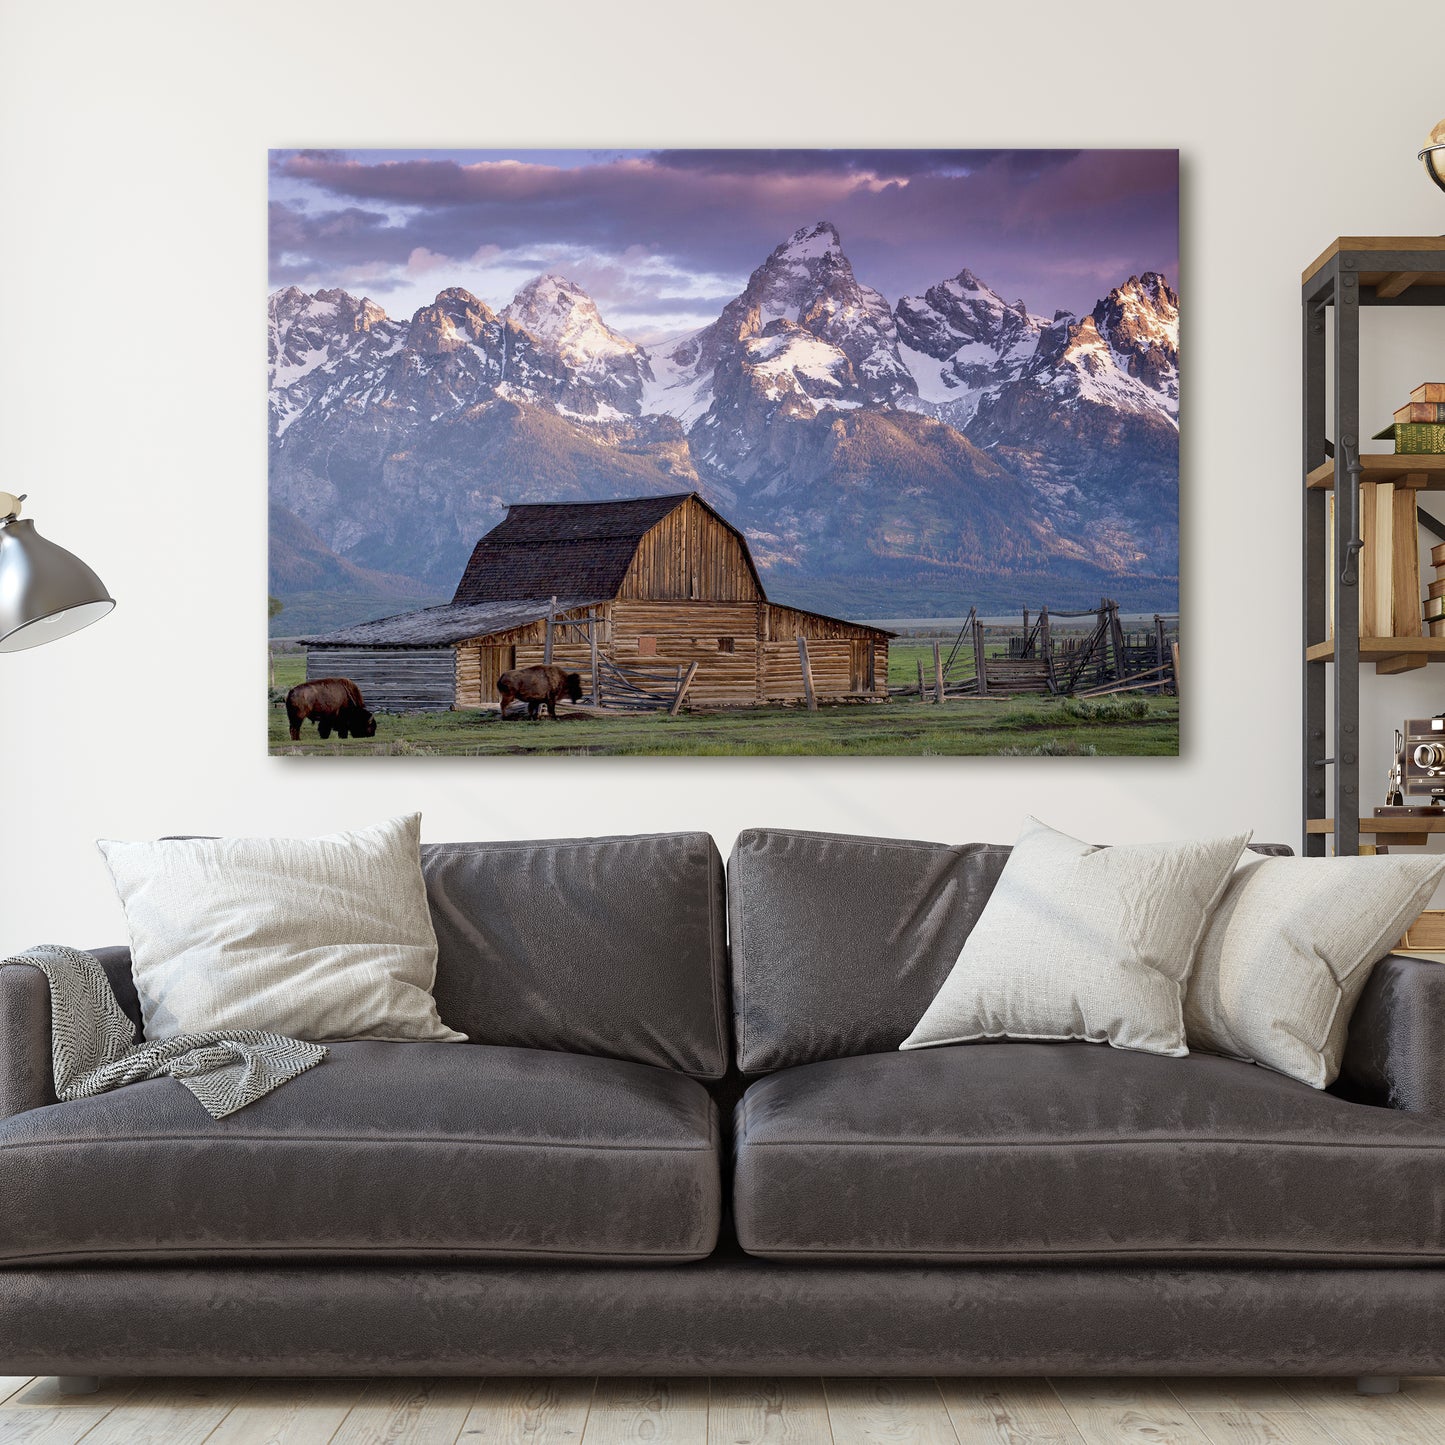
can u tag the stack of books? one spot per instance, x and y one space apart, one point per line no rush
1389 565
1435 602
1419 425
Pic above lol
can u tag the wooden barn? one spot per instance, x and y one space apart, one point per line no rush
628 593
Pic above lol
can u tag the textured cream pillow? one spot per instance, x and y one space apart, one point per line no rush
314 938
1289 951
1080 942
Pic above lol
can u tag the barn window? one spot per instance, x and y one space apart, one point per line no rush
647 646
725 644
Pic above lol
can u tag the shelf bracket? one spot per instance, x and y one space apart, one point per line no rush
1349 572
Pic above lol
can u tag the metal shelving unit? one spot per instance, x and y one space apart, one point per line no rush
1353 272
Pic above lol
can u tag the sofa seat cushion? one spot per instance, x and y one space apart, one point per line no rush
1029 1153
386 1150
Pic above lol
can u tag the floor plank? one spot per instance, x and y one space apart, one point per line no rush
653 1410
1263 1427
778 1412
1234 1393
408 1412
529 1412
1404 1419
10 1384
888 1412
48 1427
1141 1412
166 1412
288 1412
1007 1412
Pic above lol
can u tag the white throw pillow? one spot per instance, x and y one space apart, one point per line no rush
1082 942
1289 951
314 938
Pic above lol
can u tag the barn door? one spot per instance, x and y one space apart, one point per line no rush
494 662
861 659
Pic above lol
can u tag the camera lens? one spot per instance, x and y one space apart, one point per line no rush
1430 756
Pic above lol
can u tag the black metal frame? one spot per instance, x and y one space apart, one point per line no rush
1331 784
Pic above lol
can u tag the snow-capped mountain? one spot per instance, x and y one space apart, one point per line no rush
960 338
565 322
935 447
804 327
317 344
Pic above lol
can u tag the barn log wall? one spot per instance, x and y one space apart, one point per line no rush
482 660
412 679
690 556
689 632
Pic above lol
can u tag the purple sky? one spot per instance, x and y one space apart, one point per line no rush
663 239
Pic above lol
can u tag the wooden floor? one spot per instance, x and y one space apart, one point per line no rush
722 1412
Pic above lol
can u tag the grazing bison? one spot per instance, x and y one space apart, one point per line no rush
537 685
329 702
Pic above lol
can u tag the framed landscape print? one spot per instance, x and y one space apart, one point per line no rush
701 451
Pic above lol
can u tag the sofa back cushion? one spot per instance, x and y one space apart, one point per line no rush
840 943
607 946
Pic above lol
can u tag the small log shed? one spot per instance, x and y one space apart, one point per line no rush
658 581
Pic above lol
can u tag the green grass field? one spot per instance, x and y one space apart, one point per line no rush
1028 726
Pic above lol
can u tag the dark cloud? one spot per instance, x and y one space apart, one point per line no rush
1055 227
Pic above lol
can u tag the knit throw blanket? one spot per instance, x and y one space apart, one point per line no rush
92 1048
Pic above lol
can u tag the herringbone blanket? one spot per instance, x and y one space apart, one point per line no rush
93 1048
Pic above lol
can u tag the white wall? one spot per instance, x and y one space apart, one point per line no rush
133 146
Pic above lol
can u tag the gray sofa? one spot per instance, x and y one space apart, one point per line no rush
664 1154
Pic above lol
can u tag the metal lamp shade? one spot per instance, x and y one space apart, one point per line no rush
45 591
1434 155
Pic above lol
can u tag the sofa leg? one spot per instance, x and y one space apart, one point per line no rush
1377 1384
77 1384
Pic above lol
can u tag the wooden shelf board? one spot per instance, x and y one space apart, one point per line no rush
1395 826
1365 244
1386 650
1424 472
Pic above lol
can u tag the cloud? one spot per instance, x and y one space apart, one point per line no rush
643 226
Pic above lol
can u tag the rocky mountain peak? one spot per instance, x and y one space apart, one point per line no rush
560 314
456 318
1140 322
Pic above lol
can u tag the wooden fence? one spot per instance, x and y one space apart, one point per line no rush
1036 660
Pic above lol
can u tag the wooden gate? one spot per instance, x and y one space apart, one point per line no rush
493 662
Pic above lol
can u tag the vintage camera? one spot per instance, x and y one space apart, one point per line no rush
1419 768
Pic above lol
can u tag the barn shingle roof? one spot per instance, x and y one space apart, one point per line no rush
442 626
577 548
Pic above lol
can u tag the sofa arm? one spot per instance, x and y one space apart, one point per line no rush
1395 1053
25 1074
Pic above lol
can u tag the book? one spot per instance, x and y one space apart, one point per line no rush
1405 566
1368 587
1437 589
1437 627
1385 561
1437 555
1415 438
1429 391
1427 411
1434 609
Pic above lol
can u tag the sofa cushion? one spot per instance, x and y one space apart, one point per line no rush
387 1150
607 946
840 943
1029 1153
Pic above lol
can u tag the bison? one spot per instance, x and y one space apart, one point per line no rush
538 685
329 702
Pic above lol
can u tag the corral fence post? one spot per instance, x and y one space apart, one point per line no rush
937 673
808 693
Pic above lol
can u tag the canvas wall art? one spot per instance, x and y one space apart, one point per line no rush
831 451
